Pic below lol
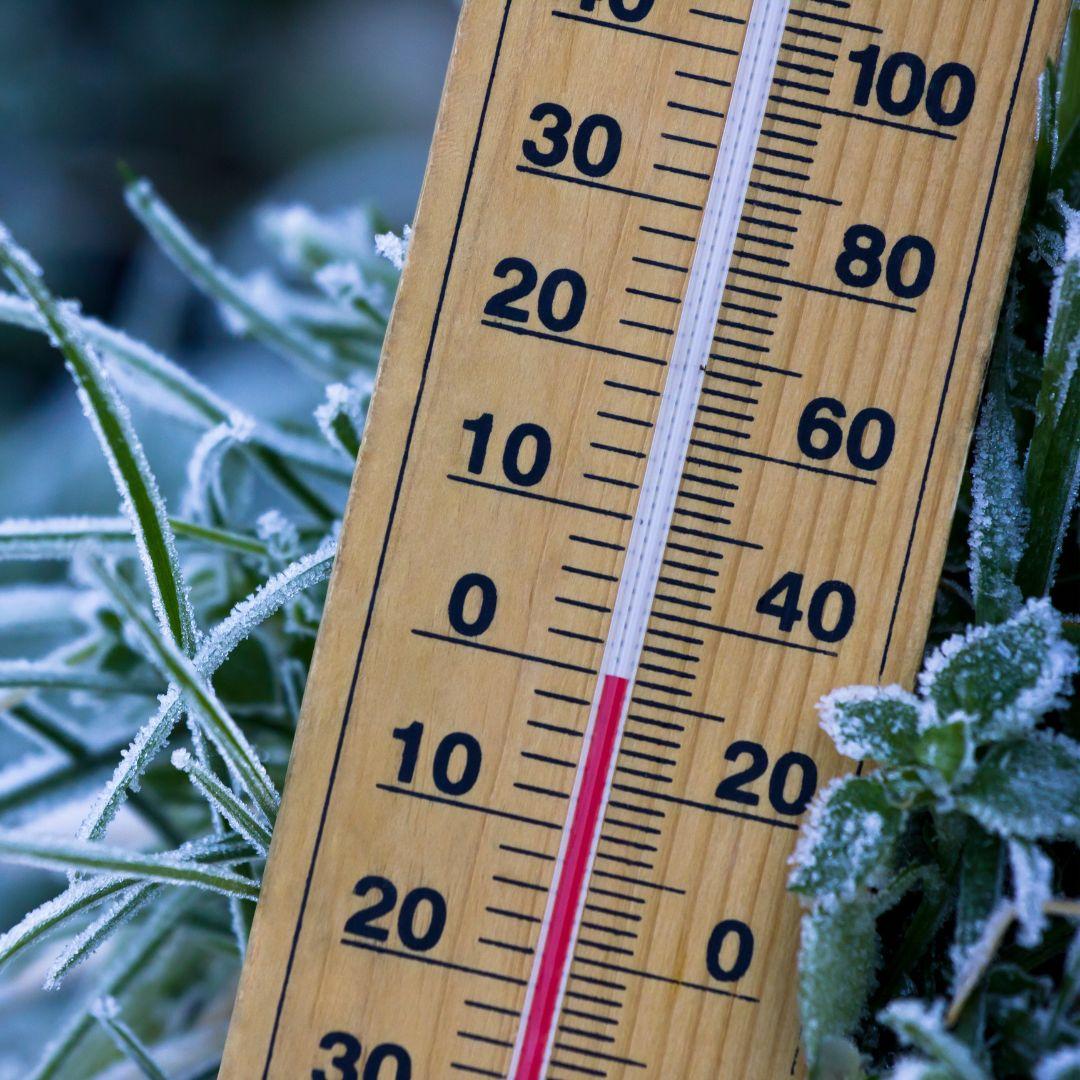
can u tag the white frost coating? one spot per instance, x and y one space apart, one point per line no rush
913 1069
346 283
280 535
215 648
89 370
1033 885
348 402
204 465
999 516
174 867
83 945
394 248
1063 1064
923 1026
846 841
40 922
1058 664
867 736
105 1008
23 606
305 239
59 538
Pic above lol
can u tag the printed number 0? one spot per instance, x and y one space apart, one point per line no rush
714 953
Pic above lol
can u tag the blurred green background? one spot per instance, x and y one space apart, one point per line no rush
228 106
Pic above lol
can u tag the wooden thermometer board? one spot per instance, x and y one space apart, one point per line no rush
666 441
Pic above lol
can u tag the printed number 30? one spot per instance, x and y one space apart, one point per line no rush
350 1051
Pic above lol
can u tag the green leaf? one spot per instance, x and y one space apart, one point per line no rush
1052 474
923 1027
1003 677
107 1013
245 820
78 855
838 960
848 843
199 695
999 519
197 265
948 750
869 722
112 425
1028 789
123 970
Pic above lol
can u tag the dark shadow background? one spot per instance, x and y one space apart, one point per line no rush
225 104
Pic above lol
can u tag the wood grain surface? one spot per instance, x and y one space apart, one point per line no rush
470 826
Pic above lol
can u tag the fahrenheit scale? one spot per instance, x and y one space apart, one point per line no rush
666 440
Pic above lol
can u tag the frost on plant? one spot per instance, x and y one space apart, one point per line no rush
940 887
187 626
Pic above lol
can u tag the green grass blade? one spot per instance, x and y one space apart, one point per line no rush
196 690
78 855
123 970
1053 466
112 424
61 538
218 645
199 267
248 822
43 675
107 1013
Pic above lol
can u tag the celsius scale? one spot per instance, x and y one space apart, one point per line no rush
667 436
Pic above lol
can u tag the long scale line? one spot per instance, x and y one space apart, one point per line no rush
700 310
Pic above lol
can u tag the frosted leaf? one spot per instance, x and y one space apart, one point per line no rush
111 422
1028 789
47 675
307 240
106 1010
948 752
916 1069
175 867
999 517
394 248
244 619
346 283
248 821
58 538
923 1027
279 534
199 696
880 723
284 337
838 960
1033 886
204 467
85 944
1063 1064
847 843
54 914
1005 677
25 607
342 416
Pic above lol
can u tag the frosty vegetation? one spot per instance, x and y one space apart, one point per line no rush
940 935
195 632
939 938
